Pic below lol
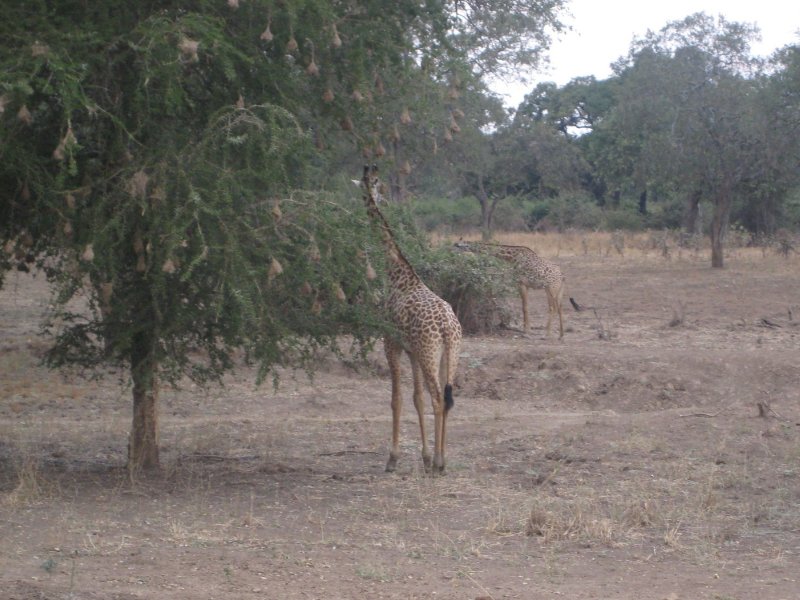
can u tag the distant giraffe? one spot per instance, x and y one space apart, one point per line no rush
533 272
429 333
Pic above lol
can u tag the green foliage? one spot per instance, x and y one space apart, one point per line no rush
574 210
475 285
455 214
212 252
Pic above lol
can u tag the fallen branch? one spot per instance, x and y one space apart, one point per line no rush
701 414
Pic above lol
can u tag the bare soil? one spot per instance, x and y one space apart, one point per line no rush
654 453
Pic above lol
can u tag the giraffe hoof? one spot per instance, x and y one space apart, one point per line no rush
426 462
391 464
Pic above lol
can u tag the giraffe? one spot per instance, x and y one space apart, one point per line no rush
429 333
534 272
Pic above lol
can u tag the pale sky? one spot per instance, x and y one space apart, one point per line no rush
602 32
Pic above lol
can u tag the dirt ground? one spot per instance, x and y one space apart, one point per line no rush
654 453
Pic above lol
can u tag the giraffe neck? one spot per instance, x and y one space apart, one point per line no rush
498 250
402 276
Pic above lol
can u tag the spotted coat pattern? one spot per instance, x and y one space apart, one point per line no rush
534 273
429 333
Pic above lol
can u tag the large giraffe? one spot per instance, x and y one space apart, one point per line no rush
533 272
429 333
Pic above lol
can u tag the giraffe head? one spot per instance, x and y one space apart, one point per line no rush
371 184
463 246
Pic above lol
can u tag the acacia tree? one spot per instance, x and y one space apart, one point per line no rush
151 157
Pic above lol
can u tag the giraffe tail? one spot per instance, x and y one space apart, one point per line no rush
448 397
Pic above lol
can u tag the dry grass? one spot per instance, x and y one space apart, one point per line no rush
660 245
31 488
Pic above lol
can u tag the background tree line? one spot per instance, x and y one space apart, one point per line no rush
183 170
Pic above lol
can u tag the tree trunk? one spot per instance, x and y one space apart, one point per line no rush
692 223
143 443
487 211
643 203
719 225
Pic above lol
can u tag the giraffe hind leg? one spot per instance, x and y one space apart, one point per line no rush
419 404
437 399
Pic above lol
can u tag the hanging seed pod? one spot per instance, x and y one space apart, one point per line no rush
168 266
275 269
276 210
316 307
328 96
67 141
69 200
336 42
379 89
8 248
448 137
347 123
233 4
26 240
306 288
240 102
453 125
453 93
24 115
88 253
435 148
405 116
340 295
406 168
395 135
291 45
357 96
458 113
106 289
138 244
312 69
68 228
313 251
266 35
319 141
39 49
141 265
380 150
188 48
371 274
137 186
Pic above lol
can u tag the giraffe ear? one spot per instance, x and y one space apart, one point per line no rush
356 182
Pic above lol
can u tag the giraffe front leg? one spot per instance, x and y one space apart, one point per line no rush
550 308
419 404
523 294
393 353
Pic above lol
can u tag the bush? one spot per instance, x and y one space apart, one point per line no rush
624 219
473 284
455 213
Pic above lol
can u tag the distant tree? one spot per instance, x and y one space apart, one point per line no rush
686 111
